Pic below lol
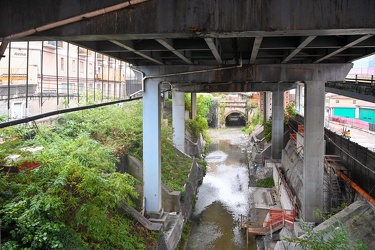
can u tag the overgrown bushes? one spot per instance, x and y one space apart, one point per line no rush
72 201
199 125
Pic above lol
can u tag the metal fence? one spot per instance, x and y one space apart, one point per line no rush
357 123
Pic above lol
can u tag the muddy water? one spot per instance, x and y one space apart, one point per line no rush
223 195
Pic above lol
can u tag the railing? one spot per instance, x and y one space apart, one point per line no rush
361 78
278 219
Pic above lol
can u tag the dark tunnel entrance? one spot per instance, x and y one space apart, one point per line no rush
235 119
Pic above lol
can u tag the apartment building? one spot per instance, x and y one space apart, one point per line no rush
42 76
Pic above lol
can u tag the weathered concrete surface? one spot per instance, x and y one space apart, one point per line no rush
313 154
188 16
364 92
293 170
282 197
197 32
287 74
277 123
132 166
358 219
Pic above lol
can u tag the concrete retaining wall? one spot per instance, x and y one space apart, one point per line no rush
195 178
134 167
181 208
285 201
293 170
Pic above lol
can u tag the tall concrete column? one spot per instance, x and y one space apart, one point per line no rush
277 123
313 164
178 119
151 146
193 105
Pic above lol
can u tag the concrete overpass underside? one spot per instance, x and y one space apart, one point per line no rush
214 45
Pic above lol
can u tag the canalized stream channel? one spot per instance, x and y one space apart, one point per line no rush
223 195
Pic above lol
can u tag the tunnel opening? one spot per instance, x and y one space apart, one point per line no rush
235 119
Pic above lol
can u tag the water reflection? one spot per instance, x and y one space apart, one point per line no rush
223 195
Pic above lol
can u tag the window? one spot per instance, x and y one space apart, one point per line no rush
337 101
62 61
354 101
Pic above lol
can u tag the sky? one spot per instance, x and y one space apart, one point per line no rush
368 62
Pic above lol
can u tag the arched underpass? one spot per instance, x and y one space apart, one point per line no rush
235 119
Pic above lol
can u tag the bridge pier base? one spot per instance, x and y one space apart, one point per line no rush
151 146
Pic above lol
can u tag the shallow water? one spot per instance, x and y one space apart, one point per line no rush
222 197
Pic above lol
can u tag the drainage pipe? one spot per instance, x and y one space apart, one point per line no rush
70 20
357 188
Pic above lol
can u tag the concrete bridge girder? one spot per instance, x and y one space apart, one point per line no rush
246 78
245 18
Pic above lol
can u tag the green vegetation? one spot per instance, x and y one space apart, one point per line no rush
199 125
288 112
255 119
184 236
329 239
72 201
222 113
266 183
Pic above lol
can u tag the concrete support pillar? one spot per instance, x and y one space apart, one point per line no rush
193 105
178 119
313 164
277 123
151 146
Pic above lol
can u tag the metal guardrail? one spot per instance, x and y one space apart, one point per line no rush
369 79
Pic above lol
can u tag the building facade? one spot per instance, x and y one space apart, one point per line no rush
42 76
